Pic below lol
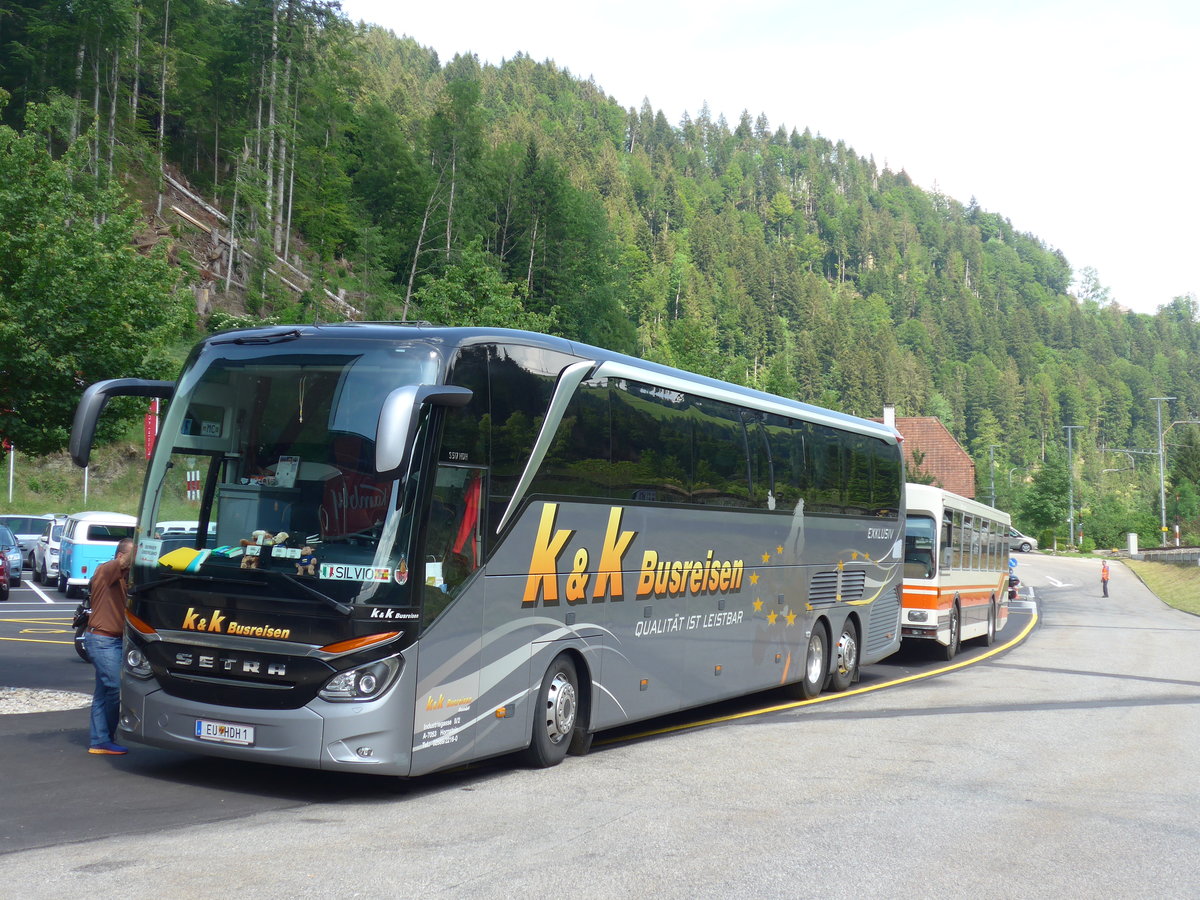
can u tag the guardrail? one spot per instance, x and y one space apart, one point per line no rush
1189 556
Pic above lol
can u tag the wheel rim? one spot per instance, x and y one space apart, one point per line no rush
815 667
847 652
560 708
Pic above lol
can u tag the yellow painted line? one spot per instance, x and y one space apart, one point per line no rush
825 698
37 621
35 641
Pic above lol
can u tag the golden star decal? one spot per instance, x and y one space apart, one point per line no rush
779 549
771 617
758 604
791 618
841 565
754 578
808 606
766 557
854 555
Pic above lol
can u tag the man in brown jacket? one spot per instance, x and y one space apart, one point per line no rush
103 639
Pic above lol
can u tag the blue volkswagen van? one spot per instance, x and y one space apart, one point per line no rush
89 538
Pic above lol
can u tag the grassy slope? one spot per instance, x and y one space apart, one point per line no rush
1177 586
53 484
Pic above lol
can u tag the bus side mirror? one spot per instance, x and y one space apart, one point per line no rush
398 419
93 401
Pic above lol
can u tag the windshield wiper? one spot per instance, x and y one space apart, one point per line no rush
343 608
313 592
270 337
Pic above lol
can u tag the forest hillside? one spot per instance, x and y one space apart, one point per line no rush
287 164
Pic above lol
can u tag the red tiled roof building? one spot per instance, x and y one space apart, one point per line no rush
942 457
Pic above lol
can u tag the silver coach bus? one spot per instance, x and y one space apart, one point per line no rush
419 546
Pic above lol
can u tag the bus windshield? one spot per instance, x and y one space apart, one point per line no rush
919 558
267 463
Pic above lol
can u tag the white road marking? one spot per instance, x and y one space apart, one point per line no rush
37 590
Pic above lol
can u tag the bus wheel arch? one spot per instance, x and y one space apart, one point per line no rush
846 652
555 713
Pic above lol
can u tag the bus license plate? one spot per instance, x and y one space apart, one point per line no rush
224 732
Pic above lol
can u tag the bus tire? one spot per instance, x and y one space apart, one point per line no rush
816 665
554 715
581 741
989 637
845 657
951 649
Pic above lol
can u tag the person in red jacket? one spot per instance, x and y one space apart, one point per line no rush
103 639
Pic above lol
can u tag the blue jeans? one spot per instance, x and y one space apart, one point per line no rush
106 701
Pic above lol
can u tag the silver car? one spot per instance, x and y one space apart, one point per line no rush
27 530
46 550
11 548
1022 542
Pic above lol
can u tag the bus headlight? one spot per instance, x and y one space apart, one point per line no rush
136 663
917 615
362 683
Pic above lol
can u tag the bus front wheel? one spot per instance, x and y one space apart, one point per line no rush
845 670
816 665
554 715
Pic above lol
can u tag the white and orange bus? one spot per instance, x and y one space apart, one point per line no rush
955 569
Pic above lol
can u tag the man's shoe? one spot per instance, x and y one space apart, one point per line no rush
108 749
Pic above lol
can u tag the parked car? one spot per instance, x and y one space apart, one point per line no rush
1022 542
46 551
3 577
10 548
89 539
27 529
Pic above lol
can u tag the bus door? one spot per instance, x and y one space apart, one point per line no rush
448 664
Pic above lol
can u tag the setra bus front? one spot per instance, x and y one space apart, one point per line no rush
279 629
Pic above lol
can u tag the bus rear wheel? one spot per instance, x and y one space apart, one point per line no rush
845 669
554 715
989 637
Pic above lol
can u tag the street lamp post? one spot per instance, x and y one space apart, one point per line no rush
992 469
1162 480
1070 484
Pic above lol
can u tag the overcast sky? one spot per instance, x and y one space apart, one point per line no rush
1077 120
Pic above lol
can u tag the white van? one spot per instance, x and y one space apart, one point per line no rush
89 539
